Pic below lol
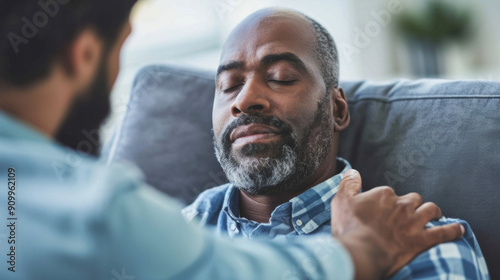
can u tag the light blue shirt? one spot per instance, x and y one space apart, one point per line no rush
72 217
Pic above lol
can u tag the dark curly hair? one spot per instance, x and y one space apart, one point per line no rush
35 33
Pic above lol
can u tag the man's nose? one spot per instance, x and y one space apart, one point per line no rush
252 99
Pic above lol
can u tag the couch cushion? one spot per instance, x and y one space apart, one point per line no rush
438 138
166 131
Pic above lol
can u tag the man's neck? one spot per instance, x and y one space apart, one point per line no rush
41 107
259 208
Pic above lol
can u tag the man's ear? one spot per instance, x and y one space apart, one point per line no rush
82 59
340 108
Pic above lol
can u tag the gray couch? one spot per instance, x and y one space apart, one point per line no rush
438 138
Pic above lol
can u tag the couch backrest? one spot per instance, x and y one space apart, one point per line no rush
438 138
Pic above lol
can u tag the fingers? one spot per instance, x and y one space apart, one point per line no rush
441 234
428 212
350 184
414 199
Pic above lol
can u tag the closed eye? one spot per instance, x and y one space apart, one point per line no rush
231 89
285 83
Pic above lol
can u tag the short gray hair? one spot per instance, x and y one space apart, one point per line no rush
326 54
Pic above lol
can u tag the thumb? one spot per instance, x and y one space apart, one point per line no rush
350 184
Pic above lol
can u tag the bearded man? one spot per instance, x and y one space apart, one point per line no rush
277 115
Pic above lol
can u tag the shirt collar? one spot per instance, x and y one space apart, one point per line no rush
15 129
231 202
311 207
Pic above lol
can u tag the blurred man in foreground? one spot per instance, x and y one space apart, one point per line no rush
68 216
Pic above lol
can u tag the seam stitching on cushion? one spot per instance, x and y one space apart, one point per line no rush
139 76
390 100
177 70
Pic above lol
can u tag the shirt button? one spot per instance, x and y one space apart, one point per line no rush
233 227
298 222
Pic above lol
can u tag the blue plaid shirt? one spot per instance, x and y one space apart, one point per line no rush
309 214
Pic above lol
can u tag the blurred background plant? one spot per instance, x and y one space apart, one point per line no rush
429 28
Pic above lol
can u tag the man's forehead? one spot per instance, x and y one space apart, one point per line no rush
258 36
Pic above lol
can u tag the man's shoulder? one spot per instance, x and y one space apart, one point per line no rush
46 168
468 240
64 167
209 202
468 234
460 259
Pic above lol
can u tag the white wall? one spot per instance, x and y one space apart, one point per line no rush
191 33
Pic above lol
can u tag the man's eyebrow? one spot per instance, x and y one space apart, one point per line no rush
269 59
230 66
296 62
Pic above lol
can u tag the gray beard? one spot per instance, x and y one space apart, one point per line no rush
260 176
286 171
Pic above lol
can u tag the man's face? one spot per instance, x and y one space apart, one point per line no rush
93 106
272 116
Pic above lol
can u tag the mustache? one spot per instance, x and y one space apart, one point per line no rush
254 119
